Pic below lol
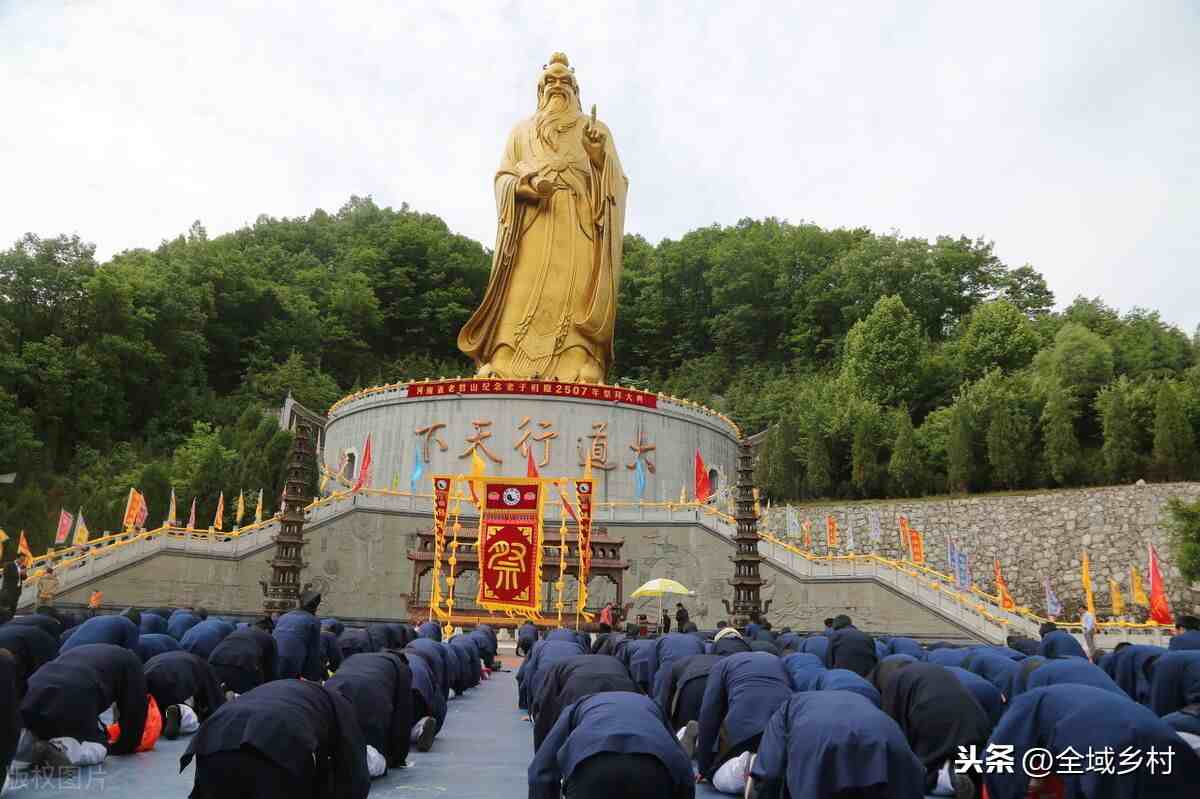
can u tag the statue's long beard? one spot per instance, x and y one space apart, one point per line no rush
555 115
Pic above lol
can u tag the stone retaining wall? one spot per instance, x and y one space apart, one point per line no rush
1033 535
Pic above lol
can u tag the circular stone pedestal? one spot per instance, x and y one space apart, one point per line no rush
442 422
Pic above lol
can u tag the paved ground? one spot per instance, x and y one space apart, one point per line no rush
483 752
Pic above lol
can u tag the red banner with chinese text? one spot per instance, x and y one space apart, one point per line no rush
583 496
540 388
831 532
916 545
510 546
441 505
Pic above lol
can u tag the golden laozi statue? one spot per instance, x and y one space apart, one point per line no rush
551 300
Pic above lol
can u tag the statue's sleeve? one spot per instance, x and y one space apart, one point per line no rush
475 337
609 187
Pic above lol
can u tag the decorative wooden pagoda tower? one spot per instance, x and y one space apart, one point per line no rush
746 581
282 593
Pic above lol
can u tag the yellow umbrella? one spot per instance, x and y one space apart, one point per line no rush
659 587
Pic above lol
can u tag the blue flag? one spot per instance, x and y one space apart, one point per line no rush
418 470
639 477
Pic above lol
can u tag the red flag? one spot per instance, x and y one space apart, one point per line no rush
531 469
143 511
192 516
1160 608
566 503
1006 600
702 484
364 471
65 520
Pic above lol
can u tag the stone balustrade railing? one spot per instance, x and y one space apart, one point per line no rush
976 611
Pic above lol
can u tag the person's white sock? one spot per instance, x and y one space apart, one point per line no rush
376 764
945 782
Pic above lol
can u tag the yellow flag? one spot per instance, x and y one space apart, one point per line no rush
683 495
23 550
1118 601
81 531
1137 591
241 509
3 535
478 468
219 520
1085 576
258 510
171 511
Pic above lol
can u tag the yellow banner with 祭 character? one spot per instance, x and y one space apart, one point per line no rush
510 546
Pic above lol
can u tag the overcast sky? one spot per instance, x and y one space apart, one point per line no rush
1067 133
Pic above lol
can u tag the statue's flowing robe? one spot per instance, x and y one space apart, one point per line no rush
557 263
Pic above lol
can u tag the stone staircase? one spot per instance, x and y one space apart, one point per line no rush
976 613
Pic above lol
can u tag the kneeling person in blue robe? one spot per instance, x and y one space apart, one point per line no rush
611 745
833 744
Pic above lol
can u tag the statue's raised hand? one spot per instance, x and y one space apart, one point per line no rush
593 140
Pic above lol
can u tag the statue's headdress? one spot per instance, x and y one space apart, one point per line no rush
558 63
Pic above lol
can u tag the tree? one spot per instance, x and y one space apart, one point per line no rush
905 467
1174 442
884 352
1120 435
998 336
960 456
1080 361
817 466
1009 437
1026 289
866 423
1184 525
1058 432
311 387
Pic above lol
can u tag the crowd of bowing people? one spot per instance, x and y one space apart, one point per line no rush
294 706
842 714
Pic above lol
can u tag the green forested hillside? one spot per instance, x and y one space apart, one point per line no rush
880 365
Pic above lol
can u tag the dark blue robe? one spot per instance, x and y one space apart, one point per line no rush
844 680
906 646
545 655
152 644
1072 671
1176 682
180 622
800 668
823 743
527 636
331 654
742 692
298 639
433 652
947 656
996 669
425 687
1086 718
642 654
1186 641
333 625
203 638
116 630
987 695
430 629
668 649
617 721
851 648
1061 644
470 660
1132 668
152 624
354 641
379 686
789 642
